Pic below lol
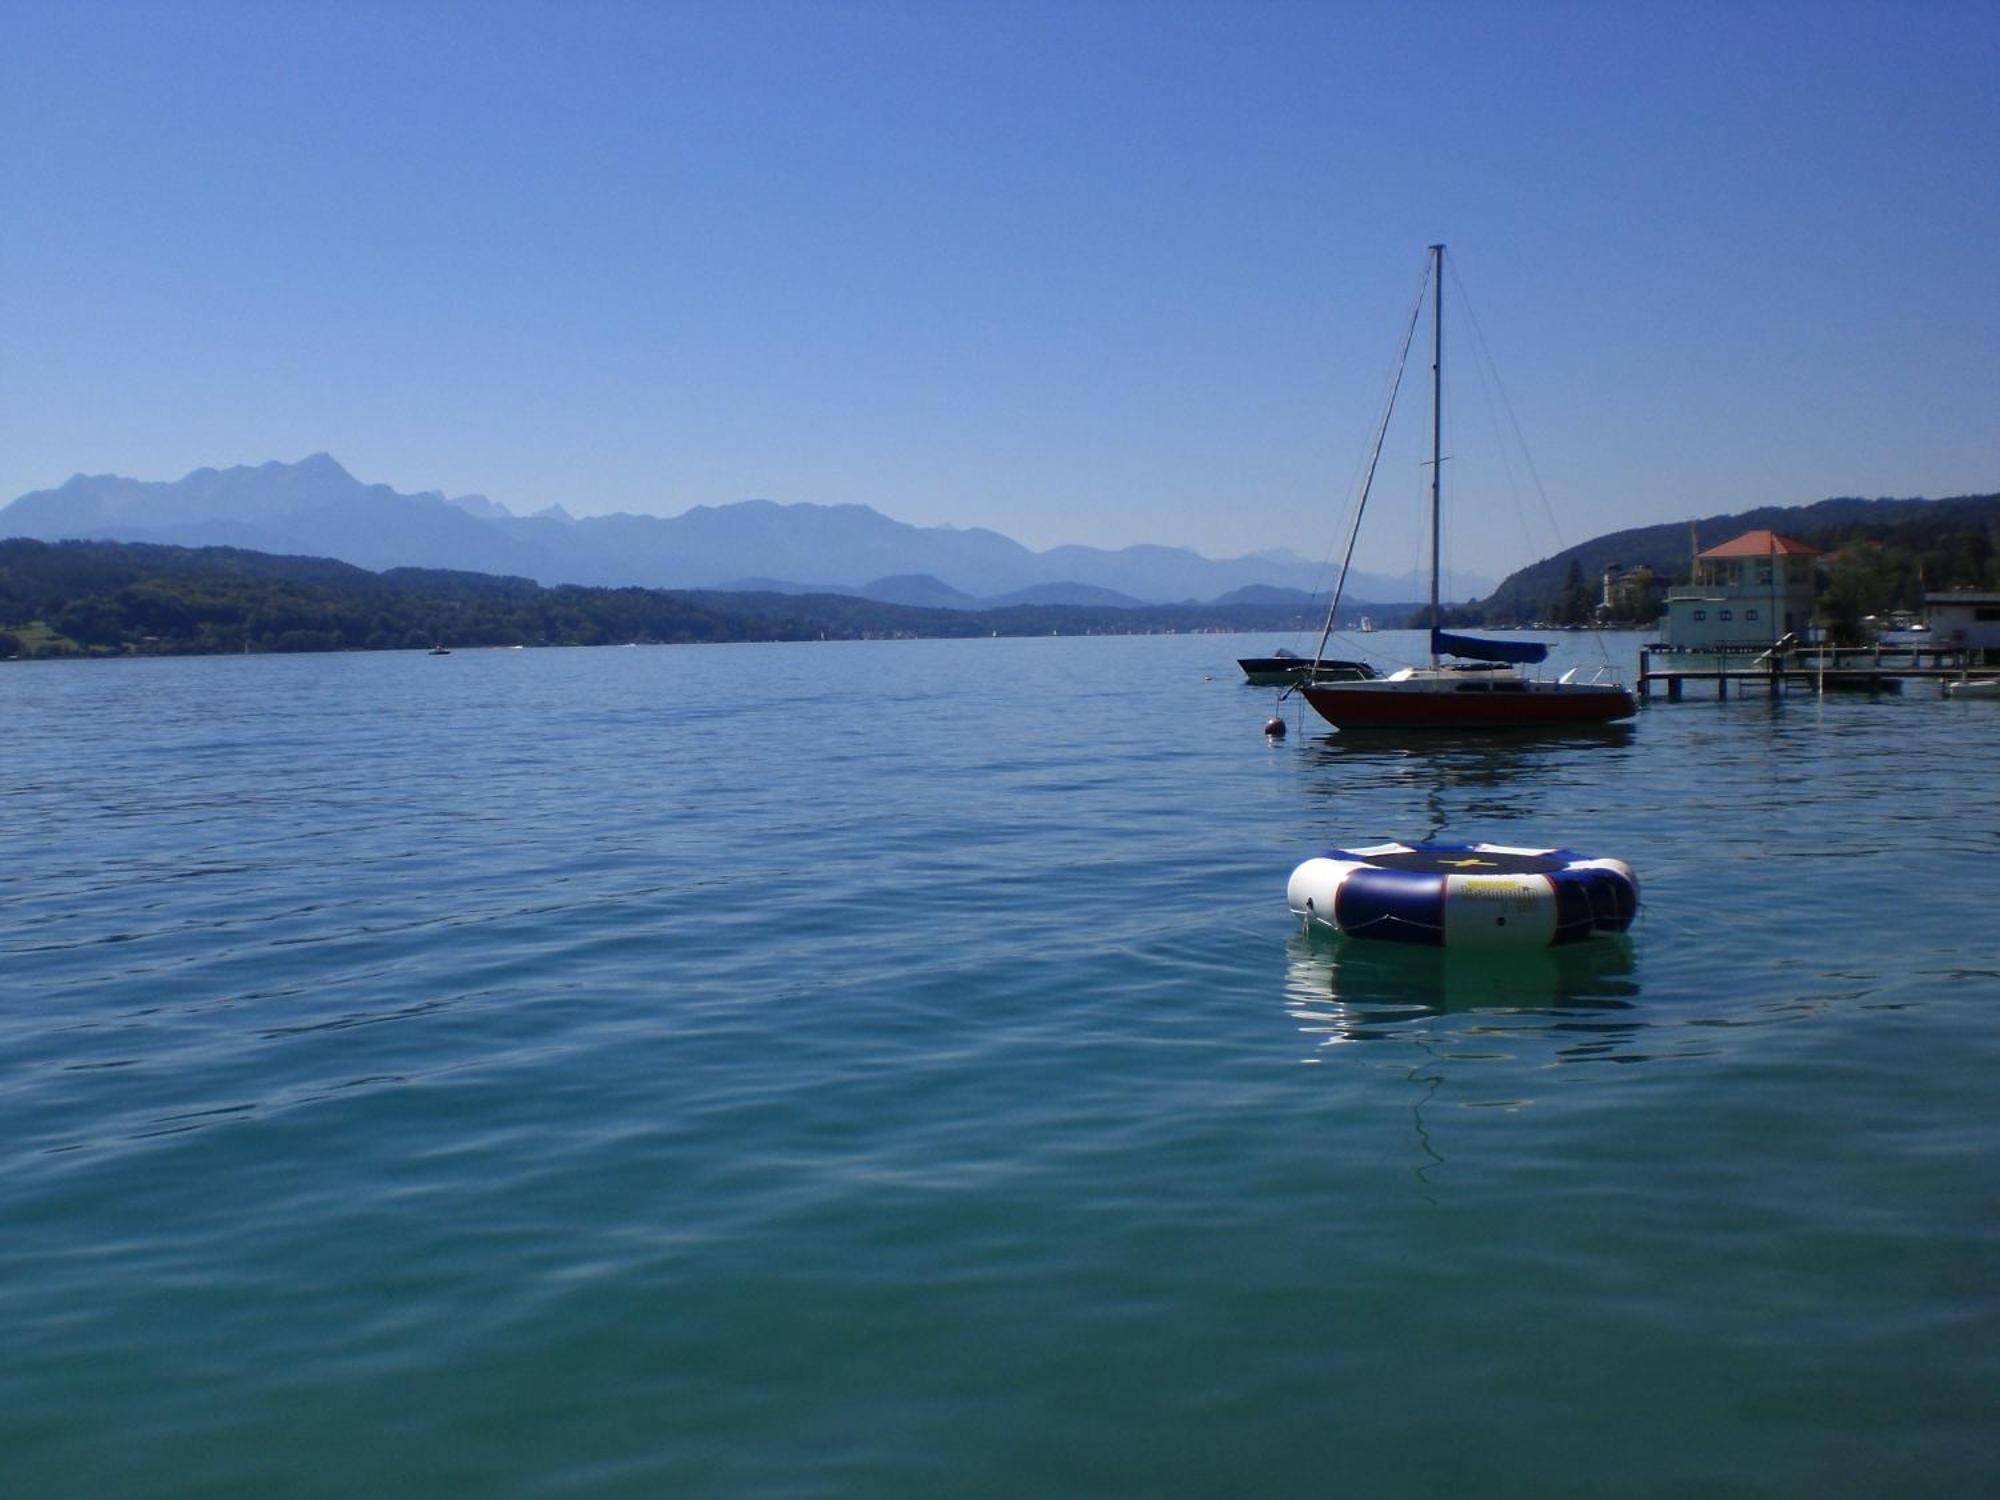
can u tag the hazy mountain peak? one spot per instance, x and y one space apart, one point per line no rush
316 507
478 505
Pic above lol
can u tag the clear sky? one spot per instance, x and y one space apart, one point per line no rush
1081 272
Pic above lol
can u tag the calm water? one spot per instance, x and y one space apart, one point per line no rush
890 1070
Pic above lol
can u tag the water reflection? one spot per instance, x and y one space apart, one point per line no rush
1476 778
1487 758
1476 1028
1344 990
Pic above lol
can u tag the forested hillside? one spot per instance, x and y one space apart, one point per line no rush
1888 552
65 598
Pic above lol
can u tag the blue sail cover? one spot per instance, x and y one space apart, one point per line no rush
1444 643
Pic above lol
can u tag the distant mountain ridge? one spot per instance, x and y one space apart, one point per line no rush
317 508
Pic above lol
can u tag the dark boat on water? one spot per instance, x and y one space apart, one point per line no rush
1284 668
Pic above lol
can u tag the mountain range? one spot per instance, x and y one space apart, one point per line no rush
316 508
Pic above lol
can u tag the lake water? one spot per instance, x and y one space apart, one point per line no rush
890 1070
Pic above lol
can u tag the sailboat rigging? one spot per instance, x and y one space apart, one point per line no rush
1485 692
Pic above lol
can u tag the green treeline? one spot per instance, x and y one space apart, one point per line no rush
1874 570
1882 555
115 598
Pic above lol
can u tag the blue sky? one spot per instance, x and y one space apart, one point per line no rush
1088 272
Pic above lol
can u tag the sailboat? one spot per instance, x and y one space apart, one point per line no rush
1484 689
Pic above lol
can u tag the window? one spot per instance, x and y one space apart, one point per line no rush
1701 614
1764 574
1729 614
1749 614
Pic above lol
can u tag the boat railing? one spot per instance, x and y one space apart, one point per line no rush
1602 675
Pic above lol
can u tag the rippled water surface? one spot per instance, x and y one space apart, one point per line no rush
890 1070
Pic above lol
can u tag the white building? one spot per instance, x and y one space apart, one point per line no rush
1747 594
1964 618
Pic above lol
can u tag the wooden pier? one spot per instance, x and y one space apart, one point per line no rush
1815 668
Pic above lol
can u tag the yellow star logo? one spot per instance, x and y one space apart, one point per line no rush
1470 864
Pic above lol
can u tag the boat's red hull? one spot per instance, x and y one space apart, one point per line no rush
1466 705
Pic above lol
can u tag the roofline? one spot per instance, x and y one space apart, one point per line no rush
1779 545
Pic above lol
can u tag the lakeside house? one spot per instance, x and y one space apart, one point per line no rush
1748 593
1965 618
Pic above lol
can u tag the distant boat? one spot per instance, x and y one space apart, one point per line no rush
1486 692
1367 625
1900 627
440 650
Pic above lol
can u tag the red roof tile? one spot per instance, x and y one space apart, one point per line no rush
1761 544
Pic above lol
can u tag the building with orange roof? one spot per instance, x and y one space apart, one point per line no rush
1747 594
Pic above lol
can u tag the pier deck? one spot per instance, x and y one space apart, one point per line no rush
1814 668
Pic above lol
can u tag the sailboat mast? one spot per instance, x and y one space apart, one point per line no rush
1437 427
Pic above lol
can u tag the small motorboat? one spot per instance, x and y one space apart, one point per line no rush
1284 668
1974 687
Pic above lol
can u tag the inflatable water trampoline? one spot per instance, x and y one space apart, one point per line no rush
1451 895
